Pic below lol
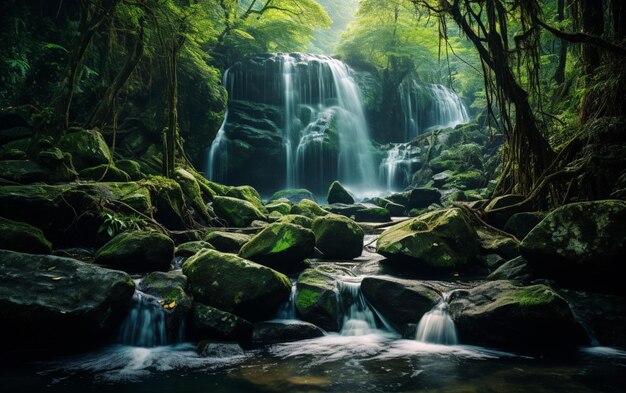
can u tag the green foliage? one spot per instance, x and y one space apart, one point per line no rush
114 224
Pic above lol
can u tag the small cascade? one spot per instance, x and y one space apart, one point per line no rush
429 106
359 318
288 310
436 326
145 325
396 168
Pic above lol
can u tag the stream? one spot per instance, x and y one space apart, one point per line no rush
367 355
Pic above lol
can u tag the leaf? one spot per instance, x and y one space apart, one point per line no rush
57 278
50 45
51 268
110 231
170 306
243 34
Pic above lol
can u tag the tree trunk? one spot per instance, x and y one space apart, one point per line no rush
559 74
103 109
592 15
169 156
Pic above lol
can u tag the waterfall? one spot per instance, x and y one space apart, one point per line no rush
396 168
436 326
321 132
429 106
288 310
359 319
145 325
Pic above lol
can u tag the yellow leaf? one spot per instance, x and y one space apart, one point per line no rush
57 278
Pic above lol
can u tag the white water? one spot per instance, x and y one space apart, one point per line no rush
397 167
288 310
316 93
429 106
145 324
436 326
359 319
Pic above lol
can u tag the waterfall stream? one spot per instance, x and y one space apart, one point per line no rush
436 326
145 324
288 310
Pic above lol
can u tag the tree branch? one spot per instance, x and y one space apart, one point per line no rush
583 38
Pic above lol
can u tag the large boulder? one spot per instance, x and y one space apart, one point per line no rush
401 302
188 249
22 237
520 224
280 246
516 270
495 242
267 333
499 218
59 303
308 208
296 219
317 297
338 194
417 198
193 195
137 251
442 239
293 195
338 237
227 241
235 285
503 315
246 193
280 207
209 323
88 148
581 245
236 212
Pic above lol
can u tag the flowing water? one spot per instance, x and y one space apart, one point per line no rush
145 324
397 167
436 326
323 131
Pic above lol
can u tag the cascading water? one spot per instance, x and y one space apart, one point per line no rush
359 319
145 325
436 326
288 310
429 106
319 135
396 169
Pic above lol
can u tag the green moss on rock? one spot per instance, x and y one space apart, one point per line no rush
296 219
227 241
137 251
22 237
237 212
104 172
308 208
190 248
87 147
338 237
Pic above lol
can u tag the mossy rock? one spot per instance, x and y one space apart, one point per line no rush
268 333
61 304
467 180
439 240
498 219
104 172
308 208
209 323
581 245
280 246
503 315
372 214
169 201
492 242
188 249
132 168
338 237
338 194
520 224
237 212
317 297
22 237
246 193
293 195
233 284
87 147
227 241
28 171
296 219
280 207
138 251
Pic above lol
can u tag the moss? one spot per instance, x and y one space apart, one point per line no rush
338 236
236 212
296 219
22 237
227 241
246 193
309 209
280 207
293 195
467 180
338 194
190 248
306 298
104 172
191 190
132 168
88 148
137 251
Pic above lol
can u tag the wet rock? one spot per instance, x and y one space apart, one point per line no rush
88 148
131 167
417 198
439 240
516 270
492 242
317 296
280 207
503 315
580 245
442 178
50 302
193 194
233 284
22 237
227 241
267 333
520 224
338 194
280 246
220 350
372 214
246 193
401 302
236 212
104 172
138 251
338 237
209 323
294 196
188 249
